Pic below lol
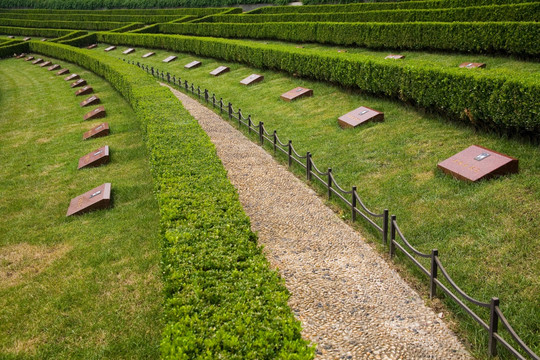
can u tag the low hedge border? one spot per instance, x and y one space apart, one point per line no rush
129 27
74 25
222 299
83 40
71 35
504 104
50 33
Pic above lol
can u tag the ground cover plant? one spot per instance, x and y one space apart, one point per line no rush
485 243
78 287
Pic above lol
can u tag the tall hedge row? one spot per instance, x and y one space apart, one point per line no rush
9 48
222 300
146 19
50 33
519 38
128 27
147 12
514 12
506 104
80 41
71 35
74 25
129 4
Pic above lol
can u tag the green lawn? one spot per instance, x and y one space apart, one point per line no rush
488 233
83 287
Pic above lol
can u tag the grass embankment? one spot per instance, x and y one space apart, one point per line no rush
487 233
86 286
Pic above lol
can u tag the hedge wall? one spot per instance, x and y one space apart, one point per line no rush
74 25
146 19
131 4
71 35
13 47
129 27
504 103
489 37
222 300
83 40
514 12
50 33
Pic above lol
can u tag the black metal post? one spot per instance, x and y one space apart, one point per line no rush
433 275
353 203
221 105
392 235
230 110
385 226
168 77
308 166
493 326
329 183
206 95
275 141
261 132
290 153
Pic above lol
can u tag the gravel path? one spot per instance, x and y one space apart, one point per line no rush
350 302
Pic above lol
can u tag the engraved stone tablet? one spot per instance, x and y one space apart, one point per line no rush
92 100
21 56
110 48
193 64
169 59
476 163
11 37
395 57
93 46
95 158
80 82
53 67
128 51
220 70
359 116
63 72
29 58
27 38
471 65
296 93
97 113
37 61
95 199
98 131
147 55
84 91
46 63
252 79
43 39
72 77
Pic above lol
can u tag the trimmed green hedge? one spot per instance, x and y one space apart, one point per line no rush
71 35
74 25
131 4
128 12
515 12
50 33
518 38
506 104
146 19
13 47
129 27
222 300
84 40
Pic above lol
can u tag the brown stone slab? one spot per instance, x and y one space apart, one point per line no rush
147 55
53 67
92 100
128 51
20 56
395 57
84 91
252 79
98 131
110 48
46 63
296 93
63 72
29 58
72 77
96 158
169 59
80 82
97 113
193 65
43 39
360 116
471 65
95 199
476 163
93 46
27 38
37 61
220 70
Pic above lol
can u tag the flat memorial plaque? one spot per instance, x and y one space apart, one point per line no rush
95 158
296 93
169 59
93 46
21 56
46 63
80 82
98 131
110 48
252 79
395 57
97 113
128 51
476 163
11 37
72 77
43 39
471 65
92 100
53 67
95 199
29 58
220 70
342 51
84 91
193 64
27 38
359 116
37 61
147 55
62 72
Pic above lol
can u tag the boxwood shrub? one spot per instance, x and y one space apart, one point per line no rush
74 25
50 33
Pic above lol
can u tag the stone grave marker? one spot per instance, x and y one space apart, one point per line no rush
20 56
92 46
53 67
72 77
471 65
252 79
46 63
97 113
37 61
476 163
62 72
193 65
92 100
360 116
220 70
169 59
147 55
98 131
299 47
95 199
342 51
27 38
395 57
29 58
11 37
84 91
43 39
296 93
95 158
80 82
110 48
128 51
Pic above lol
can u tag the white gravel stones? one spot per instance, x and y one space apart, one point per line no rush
350 302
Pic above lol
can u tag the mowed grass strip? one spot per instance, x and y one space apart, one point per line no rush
82 287
487 233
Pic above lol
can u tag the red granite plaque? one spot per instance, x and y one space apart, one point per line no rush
395 57
476 163
252 79
80 82
169 59
46 63
72 77
98 131
110 48
471 65
53 67
147 55
92 100
95 199
95 158
97 113
21 56
128 51
84 91
359 116
37 61
93 46
220 70
27 38
296 93
63 72
29 58
193 64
